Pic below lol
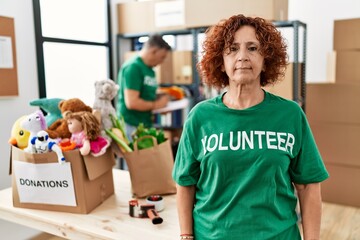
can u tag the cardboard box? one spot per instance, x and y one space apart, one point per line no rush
135 17
338 143
285 87
164 71
77 186
333 103
160 15
347 34
342 187
202 13
182 67
343 67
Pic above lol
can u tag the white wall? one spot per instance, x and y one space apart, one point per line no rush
13 107
319 15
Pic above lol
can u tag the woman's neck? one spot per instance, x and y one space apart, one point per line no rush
243 96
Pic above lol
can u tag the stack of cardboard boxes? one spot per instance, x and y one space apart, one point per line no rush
334 115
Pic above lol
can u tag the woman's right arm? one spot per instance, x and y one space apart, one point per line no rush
185 204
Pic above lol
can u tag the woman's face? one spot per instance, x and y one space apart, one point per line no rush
243 62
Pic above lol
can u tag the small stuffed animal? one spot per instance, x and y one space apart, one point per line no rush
41 143
19 136
85 130
59 129
105 91
33 123
50 106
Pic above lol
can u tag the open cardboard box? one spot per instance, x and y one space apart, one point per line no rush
77 186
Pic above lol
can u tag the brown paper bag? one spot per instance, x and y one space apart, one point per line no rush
150 169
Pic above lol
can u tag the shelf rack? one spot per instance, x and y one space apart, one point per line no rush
299 85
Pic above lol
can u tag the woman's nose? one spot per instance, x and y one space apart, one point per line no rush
243 54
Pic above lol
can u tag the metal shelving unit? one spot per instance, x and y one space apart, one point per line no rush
299 95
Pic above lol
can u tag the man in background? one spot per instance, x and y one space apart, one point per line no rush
138 85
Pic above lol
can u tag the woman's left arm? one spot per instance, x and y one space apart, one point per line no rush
310 207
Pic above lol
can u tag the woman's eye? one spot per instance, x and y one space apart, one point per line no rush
233 49
252 49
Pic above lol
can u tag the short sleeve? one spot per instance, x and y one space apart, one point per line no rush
186 170
307 166
132 75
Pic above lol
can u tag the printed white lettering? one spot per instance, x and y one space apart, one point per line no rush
212 136
203 141
221 147
260 134
248 140
290 143
232 141
245 140
281 141
269 139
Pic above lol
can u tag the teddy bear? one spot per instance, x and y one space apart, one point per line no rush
59 129
105 92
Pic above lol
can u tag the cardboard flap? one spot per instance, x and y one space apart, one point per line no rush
97 166
21 155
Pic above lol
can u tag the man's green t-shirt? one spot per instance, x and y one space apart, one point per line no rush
136 75
243 164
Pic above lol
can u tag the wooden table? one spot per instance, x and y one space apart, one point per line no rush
110 220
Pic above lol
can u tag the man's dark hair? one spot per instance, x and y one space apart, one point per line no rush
156 40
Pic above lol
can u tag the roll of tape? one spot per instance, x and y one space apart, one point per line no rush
158 202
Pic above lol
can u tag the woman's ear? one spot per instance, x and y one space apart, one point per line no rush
222 68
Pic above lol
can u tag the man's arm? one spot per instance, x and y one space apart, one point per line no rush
134 102
310 206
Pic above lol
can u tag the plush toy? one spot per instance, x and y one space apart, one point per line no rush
33 123
105 91
85 132
19 136
59 129
50 106
41 143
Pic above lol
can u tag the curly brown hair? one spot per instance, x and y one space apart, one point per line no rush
220 37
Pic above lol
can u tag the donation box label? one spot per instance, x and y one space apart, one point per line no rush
49 183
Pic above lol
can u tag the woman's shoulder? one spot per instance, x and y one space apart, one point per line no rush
281 102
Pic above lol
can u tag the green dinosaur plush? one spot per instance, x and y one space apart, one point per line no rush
50 106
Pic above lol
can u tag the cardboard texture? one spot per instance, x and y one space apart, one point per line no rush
92 177
333 103
342 187
347 34
135 17
343 67
285 87
182 67
139 17
150 169
338 143
216 10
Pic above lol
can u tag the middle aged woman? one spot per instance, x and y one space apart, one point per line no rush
241 153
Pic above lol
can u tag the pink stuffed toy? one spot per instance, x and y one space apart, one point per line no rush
85 133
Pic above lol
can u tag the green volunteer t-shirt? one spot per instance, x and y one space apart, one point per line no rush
243 163
136 75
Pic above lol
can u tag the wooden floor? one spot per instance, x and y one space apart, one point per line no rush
338 223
